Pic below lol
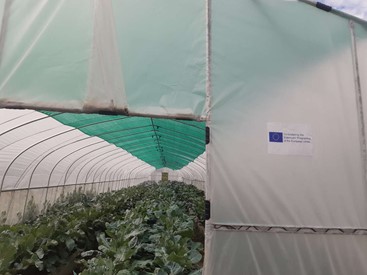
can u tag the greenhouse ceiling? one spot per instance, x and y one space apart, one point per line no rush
159 142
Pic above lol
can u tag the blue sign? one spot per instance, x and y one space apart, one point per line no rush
275 136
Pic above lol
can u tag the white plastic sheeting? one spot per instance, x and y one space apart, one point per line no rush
46 152
286 253
172 175
43 158
194 173
116 56
292 64
45 54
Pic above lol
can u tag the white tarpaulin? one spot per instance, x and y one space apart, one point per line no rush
145 57
285 71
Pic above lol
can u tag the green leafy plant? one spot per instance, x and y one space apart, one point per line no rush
3 217
31 211
146 229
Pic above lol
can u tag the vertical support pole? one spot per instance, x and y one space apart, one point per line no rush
207 187
4 24
359 101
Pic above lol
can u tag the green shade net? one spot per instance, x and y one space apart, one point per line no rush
160 142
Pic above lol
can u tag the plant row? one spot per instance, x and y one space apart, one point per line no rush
147 229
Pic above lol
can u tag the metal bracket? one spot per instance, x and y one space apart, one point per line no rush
207 210
207 135
323 7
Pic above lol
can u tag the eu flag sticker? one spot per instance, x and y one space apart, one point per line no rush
275 137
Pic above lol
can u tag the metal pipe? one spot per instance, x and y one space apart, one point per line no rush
96 159
102 164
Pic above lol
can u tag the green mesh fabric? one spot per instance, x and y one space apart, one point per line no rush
160 142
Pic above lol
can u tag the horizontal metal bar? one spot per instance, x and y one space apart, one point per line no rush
95 110
180 123
54 186
289 229
63 186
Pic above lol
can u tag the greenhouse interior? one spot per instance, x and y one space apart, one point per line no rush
182 137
